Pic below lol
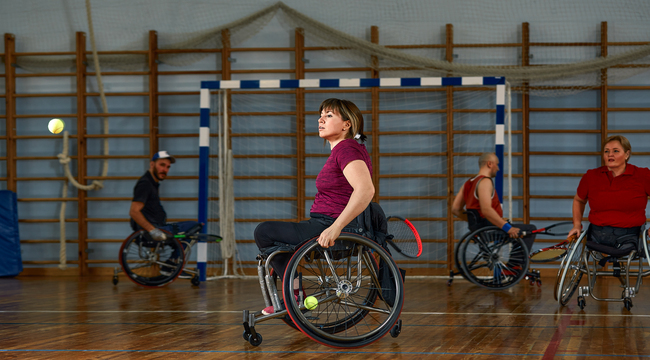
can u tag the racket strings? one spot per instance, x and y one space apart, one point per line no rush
404 237
550 254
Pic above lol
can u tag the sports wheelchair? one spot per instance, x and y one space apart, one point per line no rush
577 263
489 258
152 263
358 287
486 256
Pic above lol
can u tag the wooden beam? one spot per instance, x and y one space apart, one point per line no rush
10 109
153 93
374 151
300 123
82 226
449 56
225 75
525 122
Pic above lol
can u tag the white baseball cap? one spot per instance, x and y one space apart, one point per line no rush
163 155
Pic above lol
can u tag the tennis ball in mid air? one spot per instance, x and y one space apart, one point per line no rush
55 126
311 302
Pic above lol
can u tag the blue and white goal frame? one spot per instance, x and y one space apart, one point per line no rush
204 133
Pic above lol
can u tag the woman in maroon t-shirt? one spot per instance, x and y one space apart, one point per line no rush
617 193
344 187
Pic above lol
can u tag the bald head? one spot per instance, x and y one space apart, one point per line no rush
485 157
488 164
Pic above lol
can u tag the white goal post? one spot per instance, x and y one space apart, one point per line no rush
499 83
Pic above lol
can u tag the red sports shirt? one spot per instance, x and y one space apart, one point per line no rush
470 193
616 201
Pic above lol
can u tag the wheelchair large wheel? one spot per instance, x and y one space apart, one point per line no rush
570 272
491 259
457 253
358 301
151 263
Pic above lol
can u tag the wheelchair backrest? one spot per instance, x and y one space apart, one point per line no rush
475 221
374 223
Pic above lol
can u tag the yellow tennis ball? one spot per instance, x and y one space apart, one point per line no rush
56 126
311 302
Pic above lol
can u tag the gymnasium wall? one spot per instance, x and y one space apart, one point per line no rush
556 133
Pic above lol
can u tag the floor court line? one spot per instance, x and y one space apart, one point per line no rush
415 313
572 324
401 353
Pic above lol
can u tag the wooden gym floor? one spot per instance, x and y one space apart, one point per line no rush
89 318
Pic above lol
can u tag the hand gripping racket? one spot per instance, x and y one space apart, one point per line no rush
406 239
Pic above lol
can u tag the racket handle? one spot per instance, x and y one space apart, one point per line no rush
523 233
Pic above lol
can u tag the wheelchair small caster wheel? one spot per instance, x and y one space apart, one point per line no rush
449 282
246 335
115 280
627 302
581 302
255 340
397 329
539 283
195 280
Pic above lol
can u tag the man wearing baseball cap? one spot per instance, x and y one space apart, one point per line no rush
146 210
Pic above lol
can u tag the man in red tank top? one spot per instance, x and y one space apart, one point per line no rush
478 194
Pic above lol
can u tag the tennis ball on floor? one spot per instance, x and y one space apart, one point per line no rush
311 302
56 126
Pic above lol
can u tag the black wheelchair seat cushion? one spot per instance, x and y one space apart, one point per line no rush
278 246
615 240
610 250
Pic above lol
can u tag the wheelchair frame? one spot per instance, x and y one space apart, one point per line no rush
576 264
346 280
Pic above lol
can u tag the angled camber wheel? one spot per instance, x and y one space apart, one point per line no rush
457 257
491 259
571 270
358 287
151 263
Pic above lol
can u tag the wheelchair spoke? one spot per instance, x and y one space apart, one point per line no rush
373 275
364 307
139 266
331 266
475 260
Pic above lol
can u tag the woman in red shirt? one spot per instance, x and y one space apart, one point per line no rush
344 186
617 194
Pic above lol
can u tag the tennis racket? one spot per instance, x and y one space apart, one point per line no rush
552 253
557 229
406 239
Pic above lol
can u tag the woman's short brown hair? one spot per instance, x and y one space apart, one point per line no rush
625 143
348 112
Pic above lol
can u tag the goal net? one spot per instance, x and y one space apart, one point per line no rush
569 45
424 142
